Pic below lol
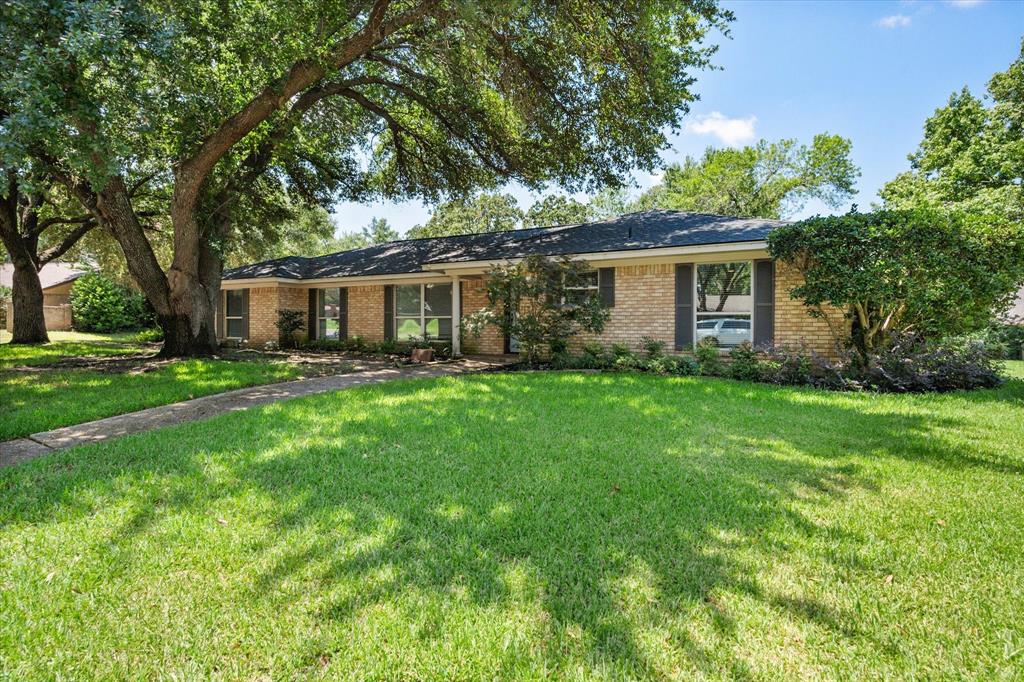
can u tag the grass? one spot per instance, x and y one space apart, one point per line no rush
36 401
530 525
68 344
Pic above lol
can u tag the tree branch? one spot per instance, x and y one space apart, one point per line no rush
65 245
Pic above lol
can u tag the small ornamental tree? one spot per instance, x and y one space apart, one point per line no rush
289 322
922 272
540 302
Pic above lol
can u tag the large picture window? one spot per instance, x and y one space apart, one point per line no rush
724 303
234 313
329 313
423 308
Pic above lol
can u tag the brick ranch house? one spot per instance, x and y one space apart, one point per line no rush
673 276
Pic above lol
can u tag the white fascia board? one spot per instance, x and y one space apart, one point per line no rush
752 249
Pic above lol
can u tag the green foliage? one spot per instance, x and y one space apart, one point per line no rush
481 213
151 335
769 180
654 348
709 357
932 273
745 363
527 301
972 156
379 231
99 304
555 209
5 293
288 323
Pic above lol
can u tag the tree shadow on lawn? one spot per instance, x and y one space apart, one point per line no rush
650 509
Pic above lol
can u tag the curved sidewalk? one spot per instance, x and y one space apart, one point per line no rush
38 444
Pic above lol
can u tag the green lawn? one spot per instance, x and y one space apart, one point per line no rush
41 400
69 344
530 525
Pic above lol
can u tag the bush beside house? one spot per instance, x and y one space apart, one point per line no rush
99 304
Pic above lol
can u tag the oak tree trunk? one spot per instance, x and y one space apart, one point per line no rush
27 296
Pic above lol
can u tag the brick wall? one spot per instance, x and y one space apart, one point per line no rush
644 306
366 312
474 297
793 324
263 305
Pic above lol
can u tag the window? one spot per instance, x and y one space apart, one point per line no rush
328 313
724 303
581 290
234 313
423 308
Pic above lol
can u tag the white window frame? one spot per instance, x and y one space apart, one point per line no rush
595 289
697 313
320 305
423 311
228 318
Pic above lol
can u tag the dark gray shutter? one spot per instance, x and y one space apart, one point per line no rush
343 313
684 306
245 314
218 320
311 318
764 303
606 286
389 311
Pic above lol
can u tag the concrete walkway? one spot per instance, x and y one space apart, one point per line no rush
23 449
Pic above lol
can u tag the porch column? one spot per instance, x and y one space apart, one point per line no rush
456 317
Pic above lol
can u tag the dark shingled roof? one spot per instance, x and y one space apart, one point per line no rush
634 231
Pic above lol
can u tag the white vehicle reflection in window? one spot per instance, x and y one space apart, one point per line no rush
726 331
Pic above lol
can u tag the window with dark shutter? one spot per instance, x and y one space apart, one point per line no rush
389 311
236 314
343 313
245 313
764 303
606 286
311 316
684 306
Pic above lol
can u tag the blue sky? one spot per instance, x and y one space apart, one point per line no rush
870 71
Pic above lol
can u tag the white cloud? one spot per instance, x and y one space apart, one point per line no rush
964 4
894 21
731 131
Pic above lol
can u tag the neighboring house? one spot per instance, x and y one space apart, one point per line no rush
669 275
57 279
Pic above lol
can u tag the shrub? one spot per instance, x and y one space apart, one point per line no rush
99 304
151 335
709 358
620 350
652 347
791 365
910 365
746 363
289 322
626 362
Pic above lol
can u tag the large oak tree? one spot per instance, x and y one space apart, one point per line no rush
381 99
38 225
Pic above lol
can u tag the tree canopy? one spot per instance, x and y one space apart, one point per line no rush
920 271
487 212
767 180
556 209
972 156
382 98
